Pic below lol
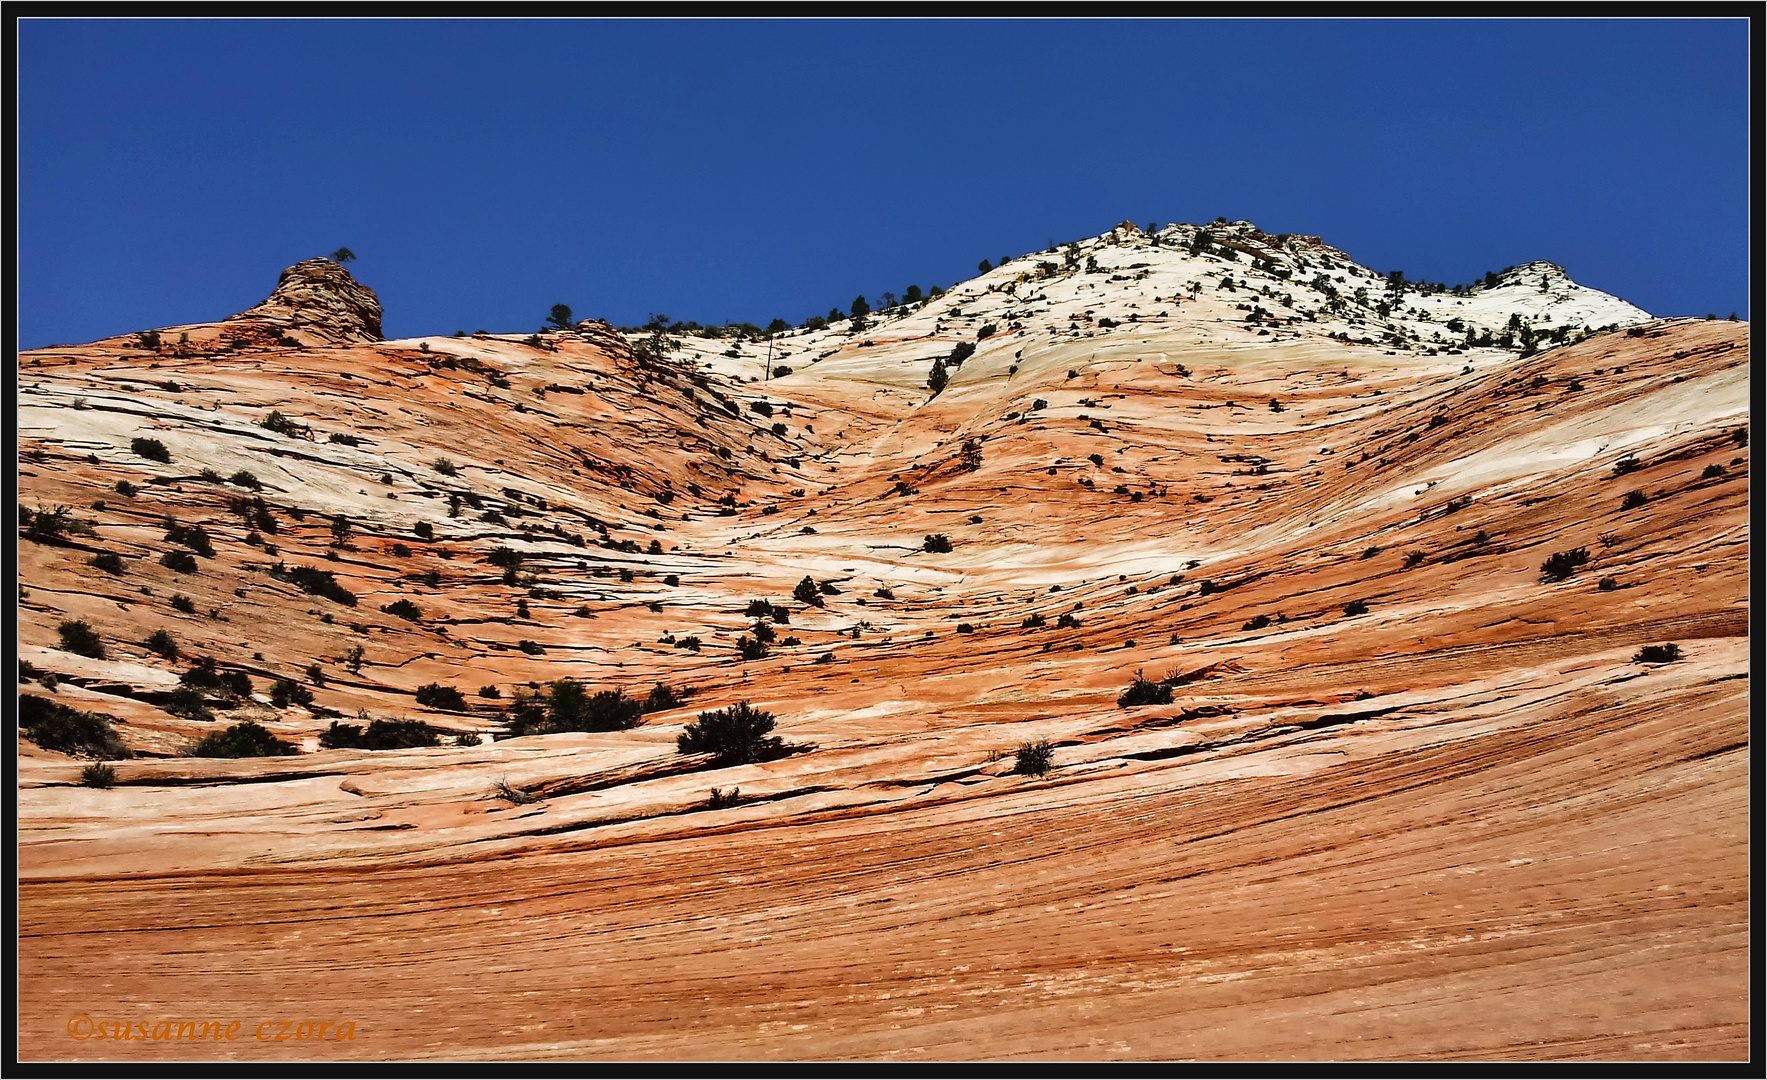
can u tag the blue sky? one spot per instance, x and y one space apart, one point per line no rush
731 170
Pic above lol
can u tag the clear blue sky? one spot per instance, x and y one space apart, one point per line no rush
484 171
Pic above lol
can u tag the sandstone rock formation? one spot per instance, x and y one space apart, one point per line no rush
1411 796
318 297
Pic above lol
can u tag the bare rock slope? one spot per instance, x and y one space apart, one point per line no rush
1329 610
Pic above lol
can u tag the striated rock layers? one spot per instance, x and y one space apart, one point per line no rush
320 297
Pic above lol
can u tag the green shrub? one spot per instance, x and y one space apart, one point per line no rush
109 562
1033 759
1633 500
151 449
960 352
446 467
343 440
79 638
183 603
125 488
738 735
751 649
986 332
194 537
1562 564
54 726
98 776
182 562
279 423
663 697
437 696
1257 622
805 592
383 735
1355 607
286 692
243 740
467 738
938 378
1144 691
936 543
532 648
1654 654
162 643
245 479
721 799
316 582
209 476
404 609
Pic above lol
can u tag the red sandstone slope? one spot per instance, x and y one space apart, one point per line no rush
1423 830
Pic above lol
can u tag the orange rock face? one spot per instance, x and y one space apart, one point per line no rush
1405 785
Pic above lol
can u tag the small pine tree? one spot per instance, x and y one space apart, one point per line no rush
938 378
560 317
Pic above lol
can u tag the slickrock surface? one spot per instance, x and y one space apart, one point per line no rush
1464 822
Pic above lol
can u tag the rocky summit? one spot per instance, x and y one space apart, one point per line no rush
1184 642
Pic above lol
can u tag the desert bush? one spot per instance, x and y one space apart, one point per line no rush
1033 759
286 692
194 537
531 648
183 603
1257 622
151 449
424 530
54 726
936 543
437 696
243 740
738 735
98 776
1369 553
938 378
446 467
79 638
1658 654
382 735
1066 621
1562 564
343 440
1033 621
751 648
807 592
663 697
109 562
1356 607
1144 691
884 593
408 611
1633 500
468 738
1607 584
721 799
126 489
210 476
279 423
162 644
1415 556
316 582
1712 471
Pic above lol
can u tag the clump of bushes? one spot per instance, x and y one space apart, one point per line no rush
151 449
1033 758
1562 564
936 543
98 775
567 705
54 726
242 740
1633 500
381 735
109 562
162 644
1144 691
1654 654
404 609
182 562
183 603
78 637
1257 622
315 582
1355 607
437 696
286 692
194 537
738 735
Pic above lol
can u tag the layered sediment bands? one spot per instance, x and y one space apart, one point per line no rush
1410 798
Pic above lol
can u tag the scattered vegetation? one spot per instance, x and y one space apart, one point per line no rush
54 726
380 735
437 696
406 610
242 740
1034 758
738 735
79 638
151 449
98 775
1144 691
1562 564
1658 654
